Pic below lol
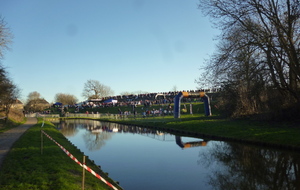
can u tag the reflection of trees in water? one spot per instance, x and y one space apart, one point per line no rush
247 167
68 129
94 141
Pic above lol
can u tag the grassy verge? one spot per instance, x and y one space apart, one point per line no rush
10 124
16 118
278 134
26 168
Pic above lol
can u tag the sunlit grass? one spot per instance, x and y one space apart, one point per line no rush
10 124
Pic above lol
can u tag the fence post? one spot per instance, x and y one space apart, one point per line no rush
41 142
42 137
83 172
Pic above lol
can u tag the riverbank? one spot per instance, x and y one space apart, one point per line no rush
27 167
275 134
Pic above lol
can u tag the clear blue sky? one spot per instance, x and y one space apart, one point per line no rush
128 45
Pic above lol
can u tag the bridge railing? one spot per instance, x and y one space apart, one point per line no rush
90 115
42 115
102 116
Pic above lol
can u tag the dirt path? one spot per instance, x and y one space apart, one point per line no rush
8 138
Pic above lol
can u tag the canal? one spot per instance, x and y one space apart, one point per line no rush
140 158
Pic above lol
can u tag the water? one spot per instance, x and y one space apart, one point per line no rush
141 158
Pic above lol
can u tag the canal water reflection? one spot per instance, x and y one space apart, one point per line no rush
141 158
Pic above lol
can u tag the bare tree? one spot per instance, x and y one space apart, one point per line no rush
66 99
93 89
260 45
174 88
5 37
9 92
124 93
33 99
273 26
35 102
33 96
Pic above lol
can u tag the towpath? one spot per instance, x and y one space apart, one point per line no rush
8 138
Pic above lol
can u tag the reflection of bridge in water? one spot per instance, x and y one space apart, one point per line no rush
158 135
97 127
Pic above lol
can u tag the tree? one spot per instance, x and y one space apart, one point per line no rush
260 48
10 97
33 99
238 70
5 37
34 96
126 93
66 99
9 93
93 89
35 102
174 88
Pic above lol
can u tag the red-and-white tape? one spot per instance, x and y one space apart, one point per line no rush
82 165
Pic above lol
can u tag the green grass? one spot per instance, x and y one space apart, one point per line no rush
10 124
26 168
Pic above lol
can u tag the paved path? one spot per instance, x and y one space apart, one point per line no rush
8 138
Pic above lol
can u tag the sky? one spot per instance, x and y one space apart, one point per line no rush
128 45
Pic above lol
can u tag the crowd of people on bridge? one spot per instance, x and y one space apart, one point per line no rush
146 100
141 99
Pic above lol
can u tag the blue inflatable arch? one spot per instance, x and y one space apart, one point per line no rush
180 95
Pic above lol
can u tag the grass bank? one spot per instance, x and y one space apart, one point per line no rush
9 124
16 118
285 135
26 168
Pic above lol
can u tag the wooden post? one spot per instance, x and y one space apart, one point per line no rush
83 172
42 137
41 142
